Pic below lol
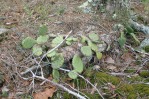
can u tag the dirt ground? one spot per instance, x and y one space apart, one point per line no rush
24 18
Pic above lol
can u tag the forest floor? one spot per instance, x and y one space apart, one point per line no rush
121 73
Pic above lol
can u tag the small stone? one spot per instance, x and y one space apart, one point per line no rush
144 43
3 30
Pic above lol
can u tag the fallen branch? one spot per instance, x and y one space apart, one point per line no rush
140 27
39 63
55 47
31 69
118 74
62 87
55 84
86 81
134 50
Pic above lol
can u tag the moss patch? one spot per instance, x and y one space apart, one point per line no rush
135 79
131 91
123 89
144 74
93 96
142 89
80 83
102 78
127 88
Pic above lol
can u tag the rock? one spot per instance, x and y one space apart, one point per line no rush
139 27
144 43
3 30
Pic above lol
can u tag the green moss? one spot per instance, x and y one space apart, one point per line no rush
26 96
88 72
129 70
4 94
93 96
105 78
135 79
80 83
126 88
132 96
142 89
90 96
146 80
66 95
42 10
63 95
144 74
131 91
146 48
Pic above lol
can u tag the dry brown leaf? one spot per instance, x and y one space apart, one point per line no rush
25 83
45 94
109 60
127 57
111 67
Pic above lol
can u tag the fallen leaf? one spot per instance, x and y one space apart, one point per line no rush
45 94
109 60
127 57
25 83
111 67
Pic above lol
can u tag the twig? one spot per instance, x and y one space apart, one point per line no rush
62 87
55 47
76 90
86 81
145 62
118 74
93 89
36 67
32 68
56 84
139 27
136 50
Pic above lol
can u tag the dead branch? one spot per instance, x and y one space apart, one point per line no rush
55 47
62 87
140 27
86 81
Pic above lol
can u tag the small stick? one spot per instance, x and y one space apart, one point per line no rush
35 67
86 81
62 87
55 47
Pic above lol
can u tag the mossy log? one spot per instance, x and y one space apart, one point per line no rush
145 29
139 27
